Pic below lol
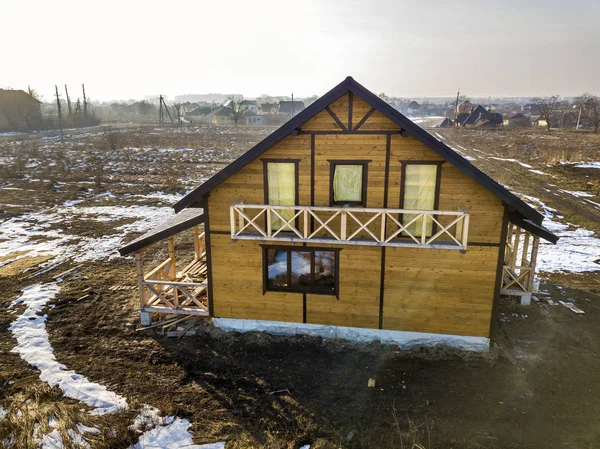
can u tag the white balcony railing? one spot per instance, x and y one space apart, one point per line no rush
441 229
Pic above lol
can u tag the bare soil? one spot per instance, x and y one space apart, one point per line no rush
536 388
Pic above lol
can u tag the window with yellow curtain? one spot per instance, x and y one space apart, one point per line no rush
348 182
281 180
419 194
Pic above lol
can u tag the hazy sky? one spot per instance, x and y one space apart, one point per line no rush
128 49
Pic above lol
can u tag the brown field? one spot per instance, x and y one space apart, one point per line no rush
536 388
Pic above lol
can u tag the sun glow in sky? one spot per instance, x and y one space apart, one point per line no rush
128 48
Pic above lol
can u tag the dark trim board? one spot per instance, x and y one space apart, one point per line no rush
499 272
381 132
381 287
512 201
336 118
209 278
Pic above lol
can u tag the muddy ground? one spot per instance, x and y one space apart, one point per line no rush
536 388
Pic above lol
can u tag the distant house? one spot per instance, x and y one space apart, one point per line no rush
529 107
447 123
290 107
413 108
465 106
223 116
254 120
200 114
250 106
517 120
540 121
19 111
481 118
268 108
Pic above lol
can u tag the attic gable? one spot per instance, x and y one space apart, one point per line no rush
349 89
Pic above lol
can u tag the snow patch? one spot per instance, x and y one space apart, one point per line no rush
34 347
589 165
172 436
576 251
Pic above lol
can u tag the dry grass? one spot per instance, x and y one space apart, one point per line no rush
35 410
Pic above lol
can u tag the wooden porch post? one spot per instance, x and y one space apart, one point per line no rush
173 269
515 249
533 262
145 317
196 242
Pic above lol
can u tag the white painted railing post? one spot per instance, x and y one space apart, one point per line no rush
343 224
232 219
269 222
383 217
305 233
465 232
423 228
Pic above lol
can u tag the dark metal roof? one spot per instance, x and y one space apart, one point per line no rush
535 229
513 202
180 222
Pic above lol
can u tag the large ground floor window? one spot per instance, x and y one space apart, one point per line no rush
301 269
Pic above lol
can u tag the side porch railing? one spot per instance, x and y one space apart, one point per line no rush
520 256
166 290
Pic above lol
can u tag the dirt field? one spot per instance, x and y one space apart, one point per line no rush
536 388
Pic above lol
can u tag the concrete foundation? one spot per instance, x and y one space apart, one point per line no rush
405 340
146 318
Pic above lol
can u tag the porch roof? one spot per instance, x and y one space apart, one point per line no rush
185 219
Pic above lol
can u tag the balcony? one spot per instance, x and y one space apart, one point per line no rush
439 229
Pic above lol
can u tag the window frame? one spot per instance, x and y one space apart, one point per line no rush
438 182
266 161
333 163
296 289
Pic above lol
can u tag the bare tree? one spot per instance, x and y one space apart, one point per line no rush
581 103
177 112
96 169
545 107
237 111
593 112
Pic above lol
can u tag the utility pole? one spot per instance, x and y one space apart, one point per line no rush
84 101
292 103
160 111
59 113
68 102
456 109
579 117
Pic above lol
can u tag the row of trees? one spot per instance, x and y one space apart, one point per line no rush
587 106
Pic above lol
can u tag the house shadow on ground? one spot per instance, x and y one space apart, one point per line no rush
531 390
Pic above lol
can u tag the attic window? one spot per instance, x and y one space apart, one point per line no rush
348 182
301 270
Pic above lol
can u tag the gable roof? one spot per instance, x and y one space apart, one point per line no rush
287 107
513 202
447 123
16 95
174 225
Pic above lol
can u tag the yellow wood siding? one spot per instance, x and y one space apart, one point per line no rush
438 291
237 284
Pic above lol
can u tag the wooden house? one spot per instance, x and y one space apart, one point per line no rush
352 221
